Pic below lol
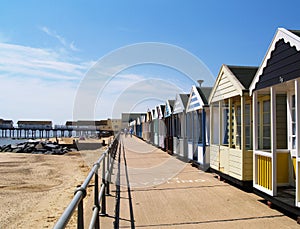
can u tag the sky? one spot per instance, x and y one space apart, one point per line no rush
69 60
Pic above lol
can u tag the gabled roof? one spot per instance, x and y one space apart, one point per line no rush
160 111
288 39
148 116
184 98
180 103
244 74
296 32
154 114
169 107
232 81
198 98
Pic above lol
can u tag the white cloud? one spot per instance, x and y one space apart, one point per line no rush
36 99
22 61
60 38
37 83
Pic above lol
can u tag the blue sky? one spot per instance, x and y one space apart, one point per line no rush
47 47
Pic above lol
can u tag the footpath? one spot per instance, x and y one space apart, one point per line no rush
152 189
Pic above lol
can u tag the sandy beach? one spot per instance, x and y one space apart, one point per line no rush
35 189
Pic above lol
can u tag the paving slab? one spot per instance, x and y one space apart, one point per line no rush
155 190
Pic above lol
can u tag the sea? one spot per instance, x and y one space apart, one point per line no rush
7 141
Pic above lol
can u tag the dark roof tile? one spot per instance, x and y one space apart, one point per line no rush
244 74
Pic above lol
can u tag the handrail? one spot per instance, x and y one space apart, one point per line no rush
80 192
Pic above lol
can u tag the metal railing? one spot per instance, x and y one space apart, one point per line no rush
106 161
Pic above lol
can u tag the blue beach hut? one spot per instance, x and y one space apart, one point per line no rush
198 126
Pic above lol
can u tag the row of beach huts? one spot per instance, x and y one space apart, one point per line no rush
245 128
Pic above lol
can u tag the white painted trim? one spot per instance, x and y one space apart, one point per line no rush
225 71
262 153
273 140
254 135
297 102
178 105
262 189
243 136
199 100
281 33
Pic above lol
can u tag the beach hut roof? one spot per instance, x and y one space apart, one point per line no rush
169 107
204 92
198 98
285 46
244 74
171 102
184 98
232 81
180 103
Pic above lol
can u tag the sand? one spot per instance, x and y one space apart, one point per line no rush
35 189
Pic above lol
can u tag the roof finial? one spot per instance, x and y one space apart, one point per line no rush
200 82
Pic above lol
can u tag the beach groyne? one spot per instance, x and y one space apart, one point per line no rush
38 147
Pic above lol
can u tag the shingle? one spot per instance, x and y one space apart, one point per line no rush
204 92
296 32
244 74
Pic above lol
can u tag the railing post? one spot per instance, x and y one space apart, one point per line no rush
96 193
80 215
103 202
108 170
80 220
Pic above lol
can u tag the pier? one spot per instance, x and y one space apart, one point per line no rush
44 132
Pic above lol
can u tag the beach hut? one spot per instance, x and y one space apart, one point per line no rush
198 126
161 126
276 121
179 124
138 127
146 126
230 124
140 122
169 125
154 127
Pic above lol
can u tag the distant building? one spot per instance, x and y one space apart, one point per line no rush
35 124
111 125
6 123
129 117
105 125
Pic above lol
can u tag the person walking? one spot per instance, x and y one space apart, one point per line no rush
131 132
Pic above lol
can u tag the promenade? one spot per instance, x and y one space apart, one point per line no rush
152 189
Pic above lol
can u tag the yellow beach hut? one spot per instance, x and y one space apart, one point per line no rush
230 124
276 122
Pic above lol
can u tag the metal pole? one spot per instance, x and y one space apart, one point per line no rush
80 215
96 193
108 170
103 202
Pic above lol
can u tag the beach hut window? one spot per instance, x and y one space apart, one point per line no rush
264 125
238 127
199 132
189 126
177 126
215 122
248 129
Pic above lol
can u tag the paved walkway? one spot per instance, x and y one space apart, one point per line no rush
154 190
